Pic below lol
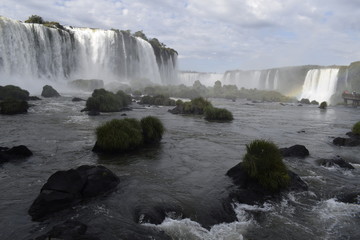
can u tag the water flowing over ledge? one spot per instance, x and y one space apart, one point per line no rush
33 51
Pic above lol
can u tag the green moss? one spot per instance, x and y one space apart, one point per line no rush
13 92
13 106
356 128
152 129
119 135
263 162
218 114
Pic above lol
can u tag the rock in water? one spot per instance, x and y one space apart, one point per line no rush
67 188
338 161
251 192
7 154
49 92
295 151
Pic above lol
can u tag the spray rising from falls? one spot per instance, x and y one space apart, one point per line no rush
33 52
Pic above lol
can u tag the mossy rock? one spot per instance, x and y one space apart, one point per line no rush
323 105
263 162
49 92
119 135
105 101
218 114
13 92
152 129
13 106
356 128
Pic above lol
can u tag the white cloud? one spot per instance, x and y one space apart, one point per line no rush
212 35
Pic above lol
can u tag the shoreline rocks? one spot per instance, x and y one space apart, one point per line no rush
338 161
49 92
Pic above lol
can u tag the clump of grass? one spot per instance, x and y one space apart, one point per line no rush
356 128
263 162
119 135
152 129
105 101
218 114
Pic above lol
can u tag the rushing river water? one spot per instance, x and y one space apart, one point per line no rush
187 170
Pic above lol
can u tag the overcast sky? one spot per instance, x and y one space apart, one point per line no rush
219 35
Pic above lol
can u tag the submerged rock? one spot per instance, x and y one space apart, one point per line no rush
69 229
295 151
346 142
338 161
352 198
249 191
64 189
49 92
76 99
17 152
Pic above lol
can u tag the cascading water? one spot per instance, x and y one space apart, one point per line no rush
208 79
320 84
276 80
33 52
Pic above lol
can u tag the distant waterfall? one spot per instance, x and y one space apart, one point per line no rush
32 52
276 80
208 79
320 84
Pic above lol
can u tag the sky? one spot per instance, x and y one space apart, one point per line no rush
220 35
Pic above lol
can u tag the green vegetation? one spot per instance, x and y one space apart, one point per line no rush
13 106
158 100
152 129
35 19
105 101
40 20
13 92
356 128
119 135
323 105
122 135
218 114
263 162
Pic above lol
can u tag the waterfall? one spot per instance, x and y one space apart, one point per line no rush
276 80
208 79
320 84
31 53
267 81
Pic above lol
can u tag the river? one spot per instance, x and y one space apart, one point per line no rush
187 170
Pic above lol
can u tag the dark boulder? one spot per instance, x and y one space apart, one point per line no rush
13 106
294 151
93 113
249 191
347 142
338 161
34 98
67 188
70 229
17 152
352 198
49 92
76 99
305 101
